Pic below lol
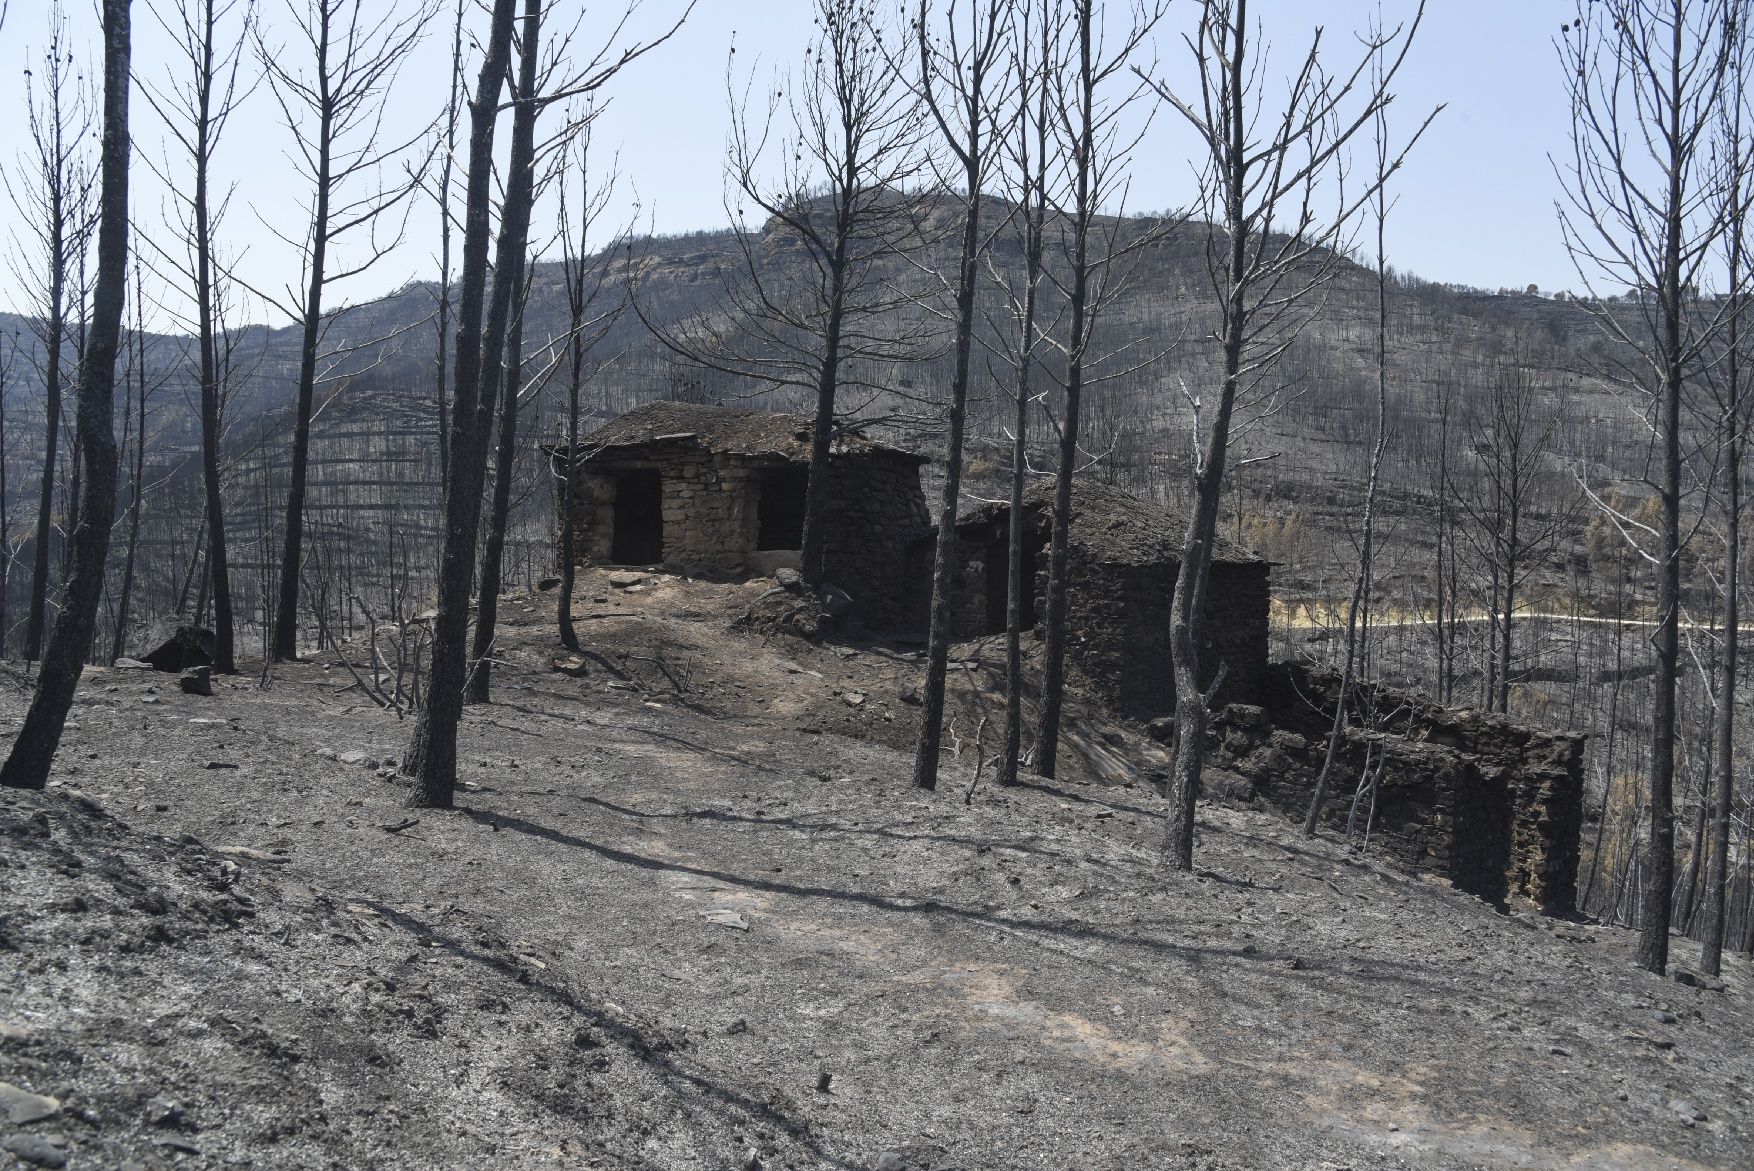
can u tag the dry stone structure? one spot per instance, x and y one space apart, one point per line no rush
1124 555
1494 806
719 492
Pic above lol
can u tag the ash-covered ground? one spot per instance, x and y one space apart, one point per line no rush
689 914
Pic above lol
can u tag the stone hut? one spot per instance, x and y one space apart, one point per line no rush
719 492
1124 556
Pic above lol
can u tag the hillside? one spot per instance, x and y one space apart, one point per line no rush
690 915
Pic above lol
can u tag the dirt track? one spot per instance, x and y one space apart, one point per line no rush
653 929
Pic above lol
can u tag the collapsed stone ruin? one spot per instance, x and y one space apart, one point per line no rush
719 492
1123 557
1490 804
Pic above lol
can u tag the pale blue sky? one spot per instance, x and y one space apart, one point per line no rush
1475 201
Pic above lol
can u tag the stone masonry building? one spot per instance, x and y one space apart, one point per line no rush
1124 555
719 492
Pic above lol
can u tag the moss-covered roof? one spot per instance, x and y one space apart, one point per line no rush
731 430
1111 526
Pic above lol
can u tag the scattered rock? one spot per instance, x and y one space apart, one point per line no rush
725 917
196 681
252 855
789 579
359 759
824 1080
1688 1112
1161 729
127 664
177 645
624 579
911 695
854 698
548 583
23 1107
836 602
219 764
1697 980
35 1150
328 754
161 1111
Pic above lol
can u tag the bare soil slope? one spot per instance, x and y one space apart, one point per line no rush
689 915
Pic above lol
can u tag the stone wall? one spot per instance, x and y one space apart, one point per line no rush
876 514
1494 806
1118 623
711 514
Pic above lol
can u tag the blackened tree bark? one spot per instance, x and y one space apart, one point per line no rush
195 106
1035 59
55 210
584 285
27 767
1092 148
956 70
1732 438
431 759
490 579
357 49
136 478
1358 606
829 322
1645 80
1268 174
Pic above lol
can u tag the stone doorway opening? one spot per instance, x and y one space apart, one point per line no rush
998 570
638 537
780 510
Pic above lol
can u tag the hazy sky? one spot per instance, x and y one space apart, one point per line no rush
1475 201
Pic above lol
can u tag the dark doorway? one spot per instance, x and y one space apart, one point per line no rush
639 518
780 511
999 575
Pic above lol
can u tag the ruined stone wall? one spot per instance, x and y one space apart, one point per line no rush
711 512
1492 805
1118 624
876 513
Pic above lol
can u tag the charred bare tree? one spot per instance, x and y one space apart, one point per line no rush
1358 606
809 305
584 285
1732 435
7 359
27 767
511 271
1037 45
51 234
961 66
1093 144
1519 513
1268 167
1645 80
195 102
335 113
137 476
431 760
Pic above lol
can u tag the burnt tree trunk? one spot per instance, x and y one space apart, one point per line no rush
492 574
34 751
218 568
432 757
284 646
